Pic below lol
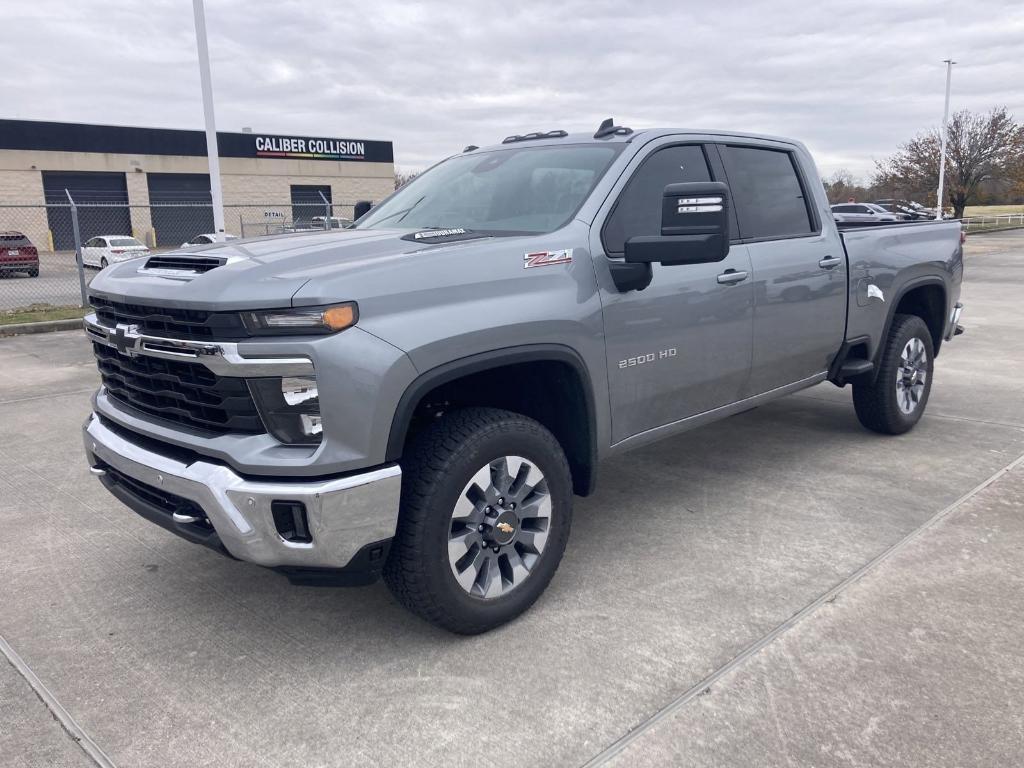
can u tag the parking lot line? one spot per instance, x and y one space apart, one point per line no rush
75 731
616 747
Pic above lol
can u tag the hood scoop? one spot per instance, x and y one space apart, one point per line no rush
182 266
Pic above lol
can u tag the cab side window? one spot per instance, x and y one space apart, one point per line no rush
638 209
767 193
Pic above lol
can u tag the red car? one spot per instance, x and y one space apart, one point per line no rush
17 254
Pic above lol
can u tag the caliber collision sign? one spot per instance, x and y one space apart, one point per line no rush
310 148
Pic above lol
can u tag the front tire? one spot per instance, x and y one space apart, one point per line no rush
485 517
896 400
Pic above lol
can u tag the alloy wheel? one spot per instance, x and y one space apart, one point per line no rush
499 527
911 375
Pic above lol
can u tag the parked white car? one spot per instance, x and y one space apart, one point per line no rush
206 239
110 249
866 213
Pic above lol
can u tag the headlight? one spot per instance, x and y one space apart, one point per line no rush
302 321
290 408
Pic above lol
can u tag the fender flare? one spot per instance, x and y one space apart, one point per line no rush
917 282
484 361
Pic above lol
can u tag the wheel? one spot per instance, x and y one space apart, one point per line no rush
103 262
896 400
33 272
485 516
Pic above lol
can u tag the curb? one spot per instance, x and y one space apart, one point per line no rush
46 326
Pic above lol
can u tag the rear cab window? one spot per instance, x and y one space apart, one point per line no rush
767 193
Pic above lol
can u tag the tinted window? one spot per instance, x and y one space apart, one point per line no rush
766 192
842 208
638 210
13 240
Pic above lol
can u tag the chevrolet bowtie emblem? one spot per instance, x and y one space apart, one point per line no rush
124 338
504 527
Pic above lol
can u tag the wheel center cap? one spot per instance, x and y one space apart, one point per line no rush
505 527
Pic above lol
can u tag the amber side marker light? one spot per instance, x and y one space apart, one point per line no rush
340 318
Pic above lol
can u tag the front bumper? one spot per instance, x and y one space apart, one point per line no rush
350 518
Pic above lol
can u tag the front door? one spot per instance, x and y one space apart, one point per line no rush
681 346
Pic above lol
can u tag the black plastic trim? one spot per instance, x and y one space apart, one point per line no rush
465 366
911 285
153 513
363 569
835 369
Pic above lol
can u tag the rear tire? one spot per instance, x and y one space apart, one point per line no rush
33 272
103 262
474 547
896 400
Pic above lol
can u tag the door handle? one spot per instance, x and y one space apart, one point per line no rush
830 261
731 276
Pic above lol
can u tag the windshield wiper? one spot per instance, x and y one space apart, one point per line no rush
400 213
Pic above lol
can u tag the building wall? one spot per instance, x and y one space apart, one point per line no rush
259 184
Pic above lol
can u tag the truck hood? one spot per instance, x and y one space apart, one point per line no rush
266 272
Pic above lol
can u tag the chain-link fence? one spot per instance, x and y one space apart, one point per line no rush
40 245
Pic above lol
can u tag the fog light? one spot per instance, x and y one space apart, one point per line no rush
290 408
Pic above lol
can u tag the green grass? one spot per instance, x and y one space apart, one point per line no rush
37 313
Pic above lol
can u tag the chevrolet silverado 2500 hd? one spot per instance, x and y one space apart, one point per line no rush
421 395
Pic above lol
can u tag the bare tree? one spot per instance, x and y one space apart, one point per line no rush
842 186
404 177
980 147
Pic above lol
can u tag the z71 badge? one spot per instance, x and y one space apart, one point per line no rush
547 258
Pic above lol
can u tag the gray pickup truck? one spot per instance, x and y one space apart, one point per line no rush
420 396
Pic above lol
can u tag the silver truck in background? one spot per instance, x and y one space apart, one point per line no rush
422 395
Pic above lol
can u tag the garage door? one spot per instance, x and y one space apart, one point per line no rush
308 201
180 206
103 205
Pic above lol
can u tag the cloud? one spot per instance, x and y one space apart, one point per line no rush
852 81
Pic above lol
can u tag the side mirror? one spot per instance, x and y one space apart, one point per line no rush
694 227
362 207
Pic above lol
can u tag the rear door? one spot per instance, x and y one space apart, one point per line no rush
798 263
92 251
682 345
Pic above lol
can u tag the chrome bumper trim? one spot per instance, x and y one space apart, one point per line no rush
954 321
224 358
344 514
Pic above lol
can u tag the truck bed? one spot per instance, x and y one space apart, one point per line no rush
886 262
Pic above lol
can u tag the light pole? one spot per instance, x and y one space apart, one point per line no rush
212 153
942 151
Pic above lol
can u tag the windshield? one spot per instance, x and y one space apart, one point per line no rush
512 191
124 242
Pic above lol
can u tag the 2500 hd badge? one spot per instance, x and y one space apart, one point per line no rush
650 357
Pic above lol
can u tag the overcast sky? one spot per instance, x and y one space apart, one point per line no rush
851 79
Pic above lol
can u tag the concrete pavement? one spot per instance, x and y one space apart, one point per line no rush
693 552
